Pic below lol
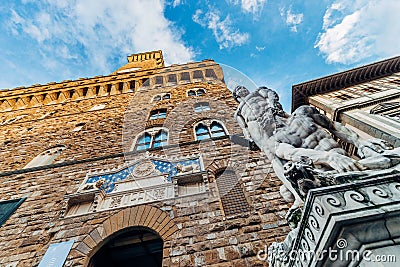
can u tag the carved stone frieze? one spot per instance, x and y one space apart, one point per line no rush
144 169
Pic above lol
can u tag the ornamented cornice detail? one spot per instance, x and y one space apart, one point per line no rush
300 92
102 86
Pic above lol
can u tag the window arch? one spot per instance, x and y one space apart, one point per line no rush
160 139
209 129
151 138
157 98
216 129
158 114
140 245
196 92
201 92
143 142
202 132
160 97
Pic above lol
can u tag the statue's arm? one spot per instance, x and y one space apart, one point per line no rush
344 133
365 147
335 160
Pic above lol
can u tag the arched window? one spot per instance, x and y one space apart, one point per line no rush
97 107
158 114
79 127
196 92
160 97
143 142
201 92
209 129
160 139
202 132
152 138
217 129
202 106
191 93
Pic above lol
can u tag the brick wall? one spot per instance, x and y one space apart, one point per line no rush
195 229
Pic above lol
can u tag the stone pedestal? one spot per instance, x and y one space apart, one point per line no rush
353 224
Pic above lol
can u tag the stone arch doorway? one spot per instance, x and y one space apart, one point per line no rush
135 246
146 217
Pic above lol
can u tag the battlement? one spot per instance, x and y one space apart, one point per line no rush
143 61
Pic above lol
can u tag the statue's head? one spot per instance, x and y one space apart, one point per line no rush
240 92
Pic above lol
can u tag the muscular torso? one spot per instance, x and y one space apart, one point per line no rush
300 130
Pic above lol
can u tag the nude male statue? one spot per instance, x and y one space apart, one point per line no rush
305 132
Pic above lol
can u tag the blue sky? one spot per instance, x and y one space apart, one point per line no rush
274 43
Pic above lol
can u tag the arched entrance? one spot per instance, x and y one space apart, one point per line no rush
135 246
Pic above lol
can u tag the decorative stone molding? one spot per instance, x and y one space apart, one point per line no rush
343 212
138 216
145 181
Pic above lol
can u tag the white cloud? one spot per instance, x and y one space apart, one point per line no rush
225 34
176 3
253 6
291 19
357 30
260 48
99 31
250 6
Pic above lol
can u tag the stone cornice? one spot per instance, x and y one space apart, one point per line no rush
84 88
300 92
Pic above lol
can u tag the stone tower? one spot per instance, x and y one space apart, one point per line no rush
136 166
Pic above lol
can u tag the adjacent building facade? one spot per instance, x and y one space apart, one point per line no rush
365 99
356 221
136 166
